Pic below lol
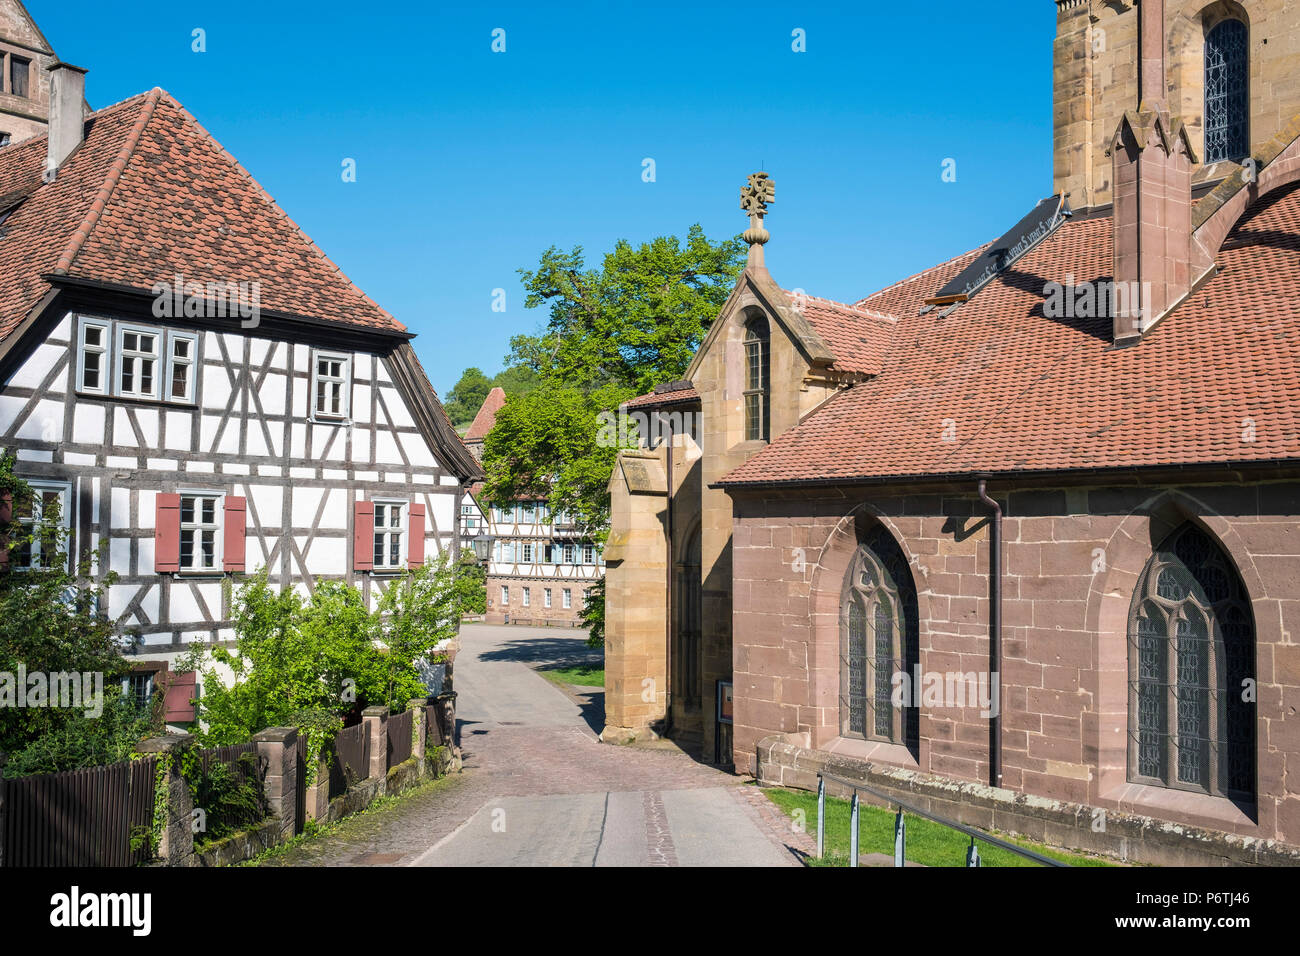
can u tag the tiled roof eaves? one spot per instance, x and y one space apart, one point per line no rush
1147 471
83 231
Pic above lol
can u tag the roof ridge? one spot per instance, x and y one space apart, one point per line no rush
277 210
851 307
923 273
111 180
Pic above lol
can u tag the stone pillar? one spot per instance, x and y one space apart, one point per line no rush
278 747
636 568
420 737
376 720
447 720
176 845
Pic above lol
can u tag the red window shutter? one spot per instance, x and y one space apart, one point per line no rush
415 538
167 534
6 515
235 525
178 704
363 536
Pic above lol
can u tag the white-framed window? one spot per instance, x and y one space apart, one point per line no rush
588 554
92 356
130 360
331 385
546 597
201 530
138 356
45 519
567 596
530 513
505 595
527 602
570 554
528 552
182 352
390 535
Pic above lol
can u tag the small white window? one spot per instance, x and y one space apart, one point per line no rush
182 350
588 554
505 595
331 385
527 598
137 362
390 529
92 357
200 531
567 596
45 519
529 514
570 554
546 597
528 552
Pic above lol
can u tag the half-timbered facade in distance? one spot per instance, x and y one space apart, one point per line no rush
201 389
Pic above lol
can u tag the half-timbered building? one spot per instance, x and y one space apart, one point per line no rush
199 387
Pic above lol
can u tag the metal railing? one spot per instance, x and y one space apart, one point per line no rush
900 827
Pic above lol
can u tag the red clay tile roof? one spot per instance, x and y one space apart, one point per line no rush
657 399
858 337
150 194
487 415
1215 382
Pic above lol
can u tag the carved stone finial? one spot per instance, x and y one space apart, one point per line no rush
755 197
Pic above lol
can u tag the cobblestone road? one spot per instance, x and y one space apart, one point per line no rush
538 789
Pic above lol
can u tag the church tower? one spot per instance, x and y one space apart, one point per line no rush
25 59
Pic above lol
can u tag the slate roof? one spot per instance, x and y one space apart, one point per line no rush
996 386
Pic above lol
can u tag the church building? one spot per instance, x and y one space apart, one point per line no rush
1017 536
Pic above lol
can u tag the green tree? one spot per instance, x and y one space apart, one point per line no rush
466 397
53 622
517 381
611 333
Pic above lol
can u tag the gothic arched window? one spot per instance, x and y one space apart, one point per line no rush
758 397
1227 84
1191 655
879 624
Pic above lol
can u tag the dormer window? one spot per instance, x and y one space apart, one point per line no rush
1227 103
758 399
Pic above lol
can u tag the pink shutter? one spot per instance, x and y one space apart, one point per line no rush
363 536
167 534
415 538
235 525
178 703
6 515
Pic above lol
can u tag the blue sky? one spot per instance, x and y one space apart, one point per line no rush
470 163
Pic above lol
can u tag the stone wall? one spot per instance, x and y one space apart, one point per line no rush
1073 556
537 613
1095 79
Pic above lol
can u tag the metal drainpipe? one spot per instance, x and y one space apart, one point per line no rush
668 616
995 631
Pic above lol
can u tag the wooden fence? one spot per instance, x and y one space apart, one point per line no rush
80 817
352 745
399 738
433 722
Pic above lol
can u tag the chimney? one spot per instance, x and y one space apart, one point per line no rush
1152 160
66 122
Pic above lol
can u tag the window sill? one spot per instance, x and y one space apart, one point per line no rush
318 420
1198 809
142 402
872 751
